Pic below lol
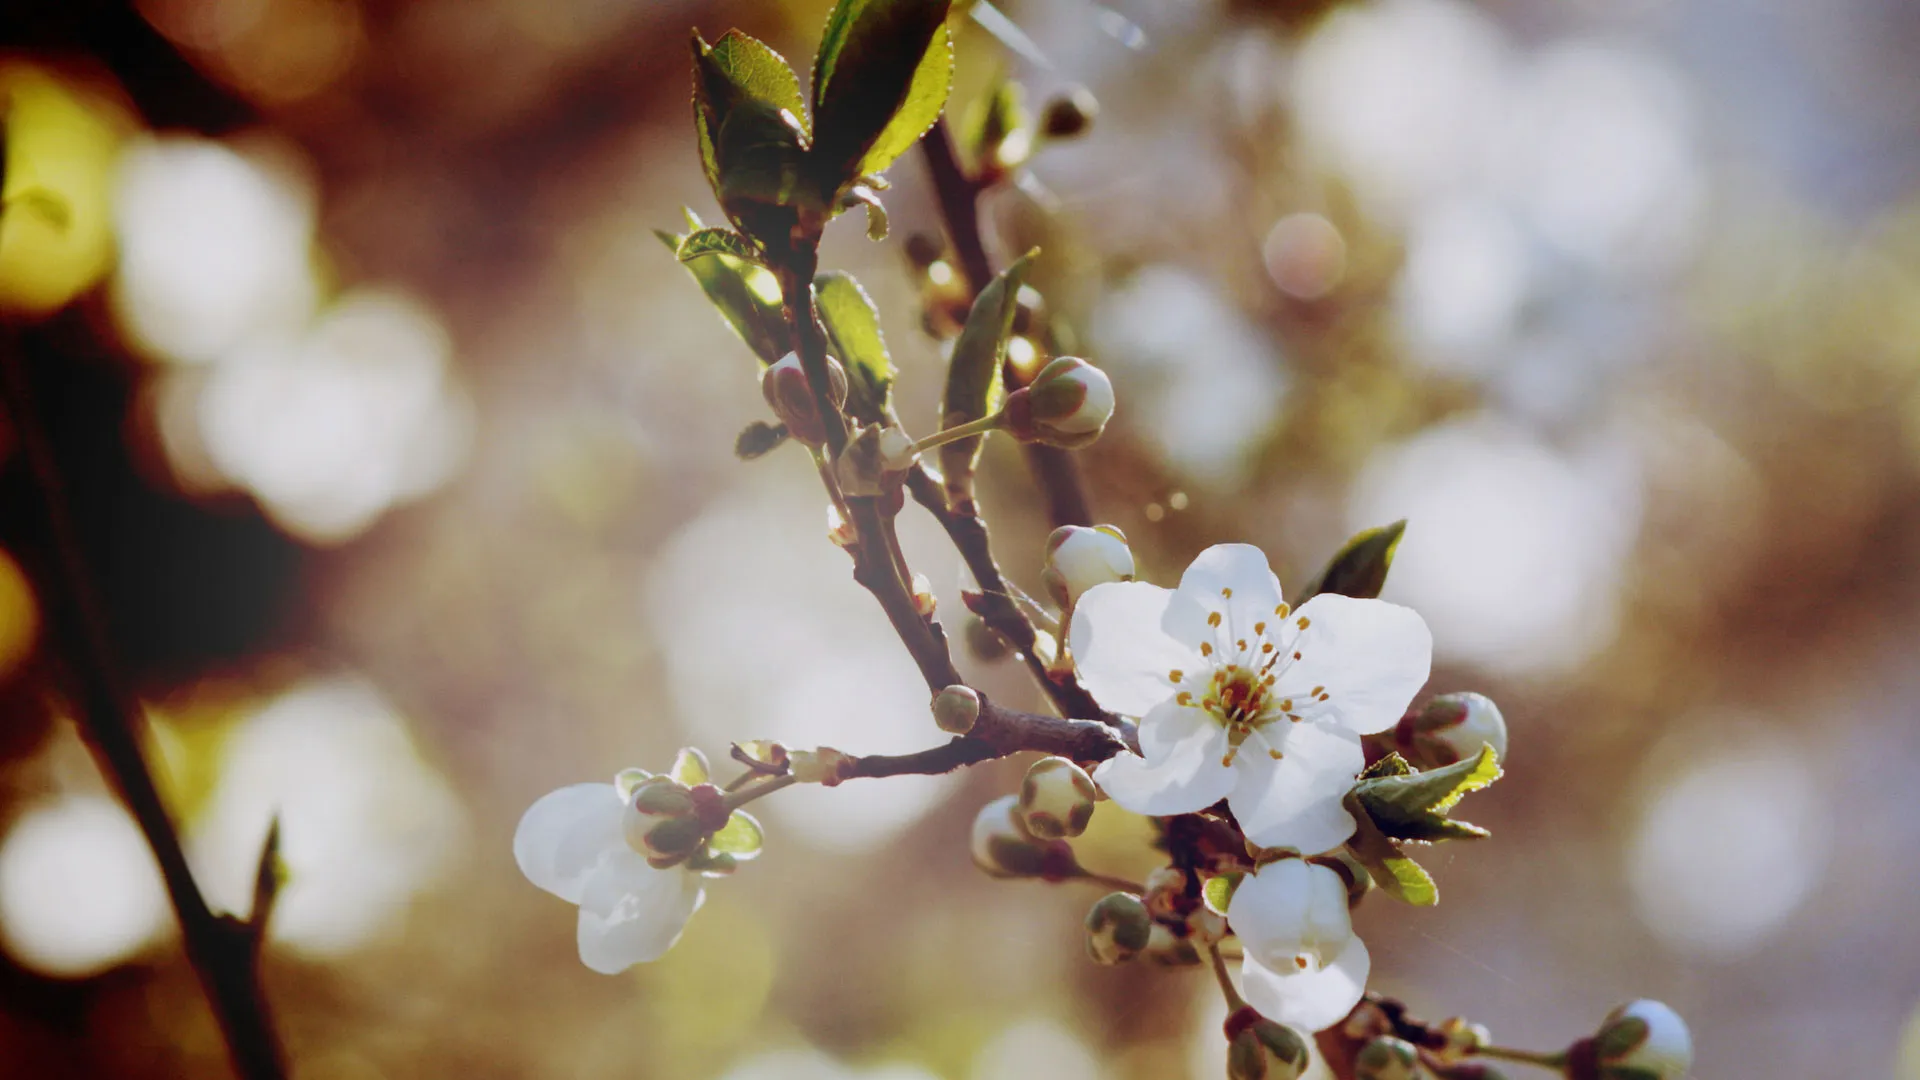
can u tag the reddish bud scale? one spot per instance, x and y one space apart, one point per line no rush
710 807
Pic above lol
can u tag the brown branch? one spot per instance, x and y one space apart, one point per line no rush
997 733
1000 611
1054 469
223 950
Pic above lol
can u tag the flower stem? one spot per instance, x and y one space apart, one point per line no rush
741 797
1111 882
1555 1061
1234 1000
960 431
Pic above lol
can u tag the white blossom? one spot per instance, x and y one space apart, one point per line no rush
1303 965
1240 697
573 843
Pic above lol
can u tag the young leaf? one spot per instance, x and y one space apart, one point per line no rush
746 295
973 375
853 332
1391 765
879 81
740 837
690 767
1414 806
1218 891
717 241
1360 567
996 129
1389 866
749 116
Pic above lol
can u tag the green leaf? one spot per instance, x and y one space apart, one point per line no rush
1391 765
758 439
1217 893
717 241
880 78
747 297
1360 567
1386 863
862 195
690 767
973 375
853 333
740 837
1414 806
749 116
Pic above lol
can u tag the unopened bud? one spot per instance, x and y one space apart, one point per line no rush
1166 894
820 766
1118 927
1080 557
1464 1038
1003 849
1451 728
1068 404
1168 949
784 385
1070 114
924 602
1260 1049
956 708
984 642
1387 1058
1643 1040
1056 799
661 796
671 841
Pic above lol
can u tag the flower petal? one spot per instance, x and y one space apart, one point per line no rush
1294 802
1170 724
1119 649
1291 908
1191 778
632 913
1370 656
565 834
1232 579
1312 1000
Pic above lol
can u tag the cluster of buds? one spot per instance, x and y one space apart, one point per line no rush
675 822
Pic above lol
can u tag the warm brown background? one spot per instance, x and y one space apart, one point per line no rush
1618 303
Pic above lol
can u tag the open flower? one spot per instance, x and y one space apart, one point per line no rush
573 843
1241 698
1303 965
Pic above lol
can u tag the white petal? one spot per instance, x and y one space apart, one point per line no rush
1232 579
632 913
1122 655
1312 1000
1168 725
1191 778
1295 802
1291 908
564 836
1370 656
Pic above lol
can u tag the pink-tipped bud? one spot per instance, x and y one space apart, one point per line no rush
1068 404
784 385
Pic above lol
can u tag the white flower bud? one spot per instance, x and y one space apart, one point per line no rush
1080 557
1068 404
924 601
1118 927
1452 728
1003 849
956 708
1641 1040
1056 799
1387 1058
784 385
896 450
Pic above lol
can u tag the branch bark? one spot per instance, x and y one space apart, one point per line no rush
223 950
998 733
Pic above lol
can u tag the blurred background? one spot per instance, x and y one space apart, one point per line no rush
402 451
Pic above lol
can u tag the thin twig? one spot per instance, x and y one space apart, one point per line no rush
223 950
998 733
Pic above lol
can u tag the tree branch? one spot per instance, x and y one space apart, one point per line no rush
1054 469
998 733
223 950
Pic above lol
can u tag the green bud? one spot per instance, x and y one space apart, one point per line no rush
1118 928
1003 849
1643 1040
1451 728
1067 405
1387 1058
661 796
1056 798
671 842
956 708
784 385
1260 1049
984 642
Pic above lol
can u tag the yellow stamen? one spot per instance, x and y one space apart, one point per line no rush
1259 628
1175 675
1227 593
1213 619
1303 622
1206 649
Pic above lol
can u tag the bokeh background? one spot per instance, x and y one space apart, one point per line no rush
402 451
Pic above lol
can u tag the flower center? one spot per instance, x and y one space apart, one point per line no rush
1239 690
